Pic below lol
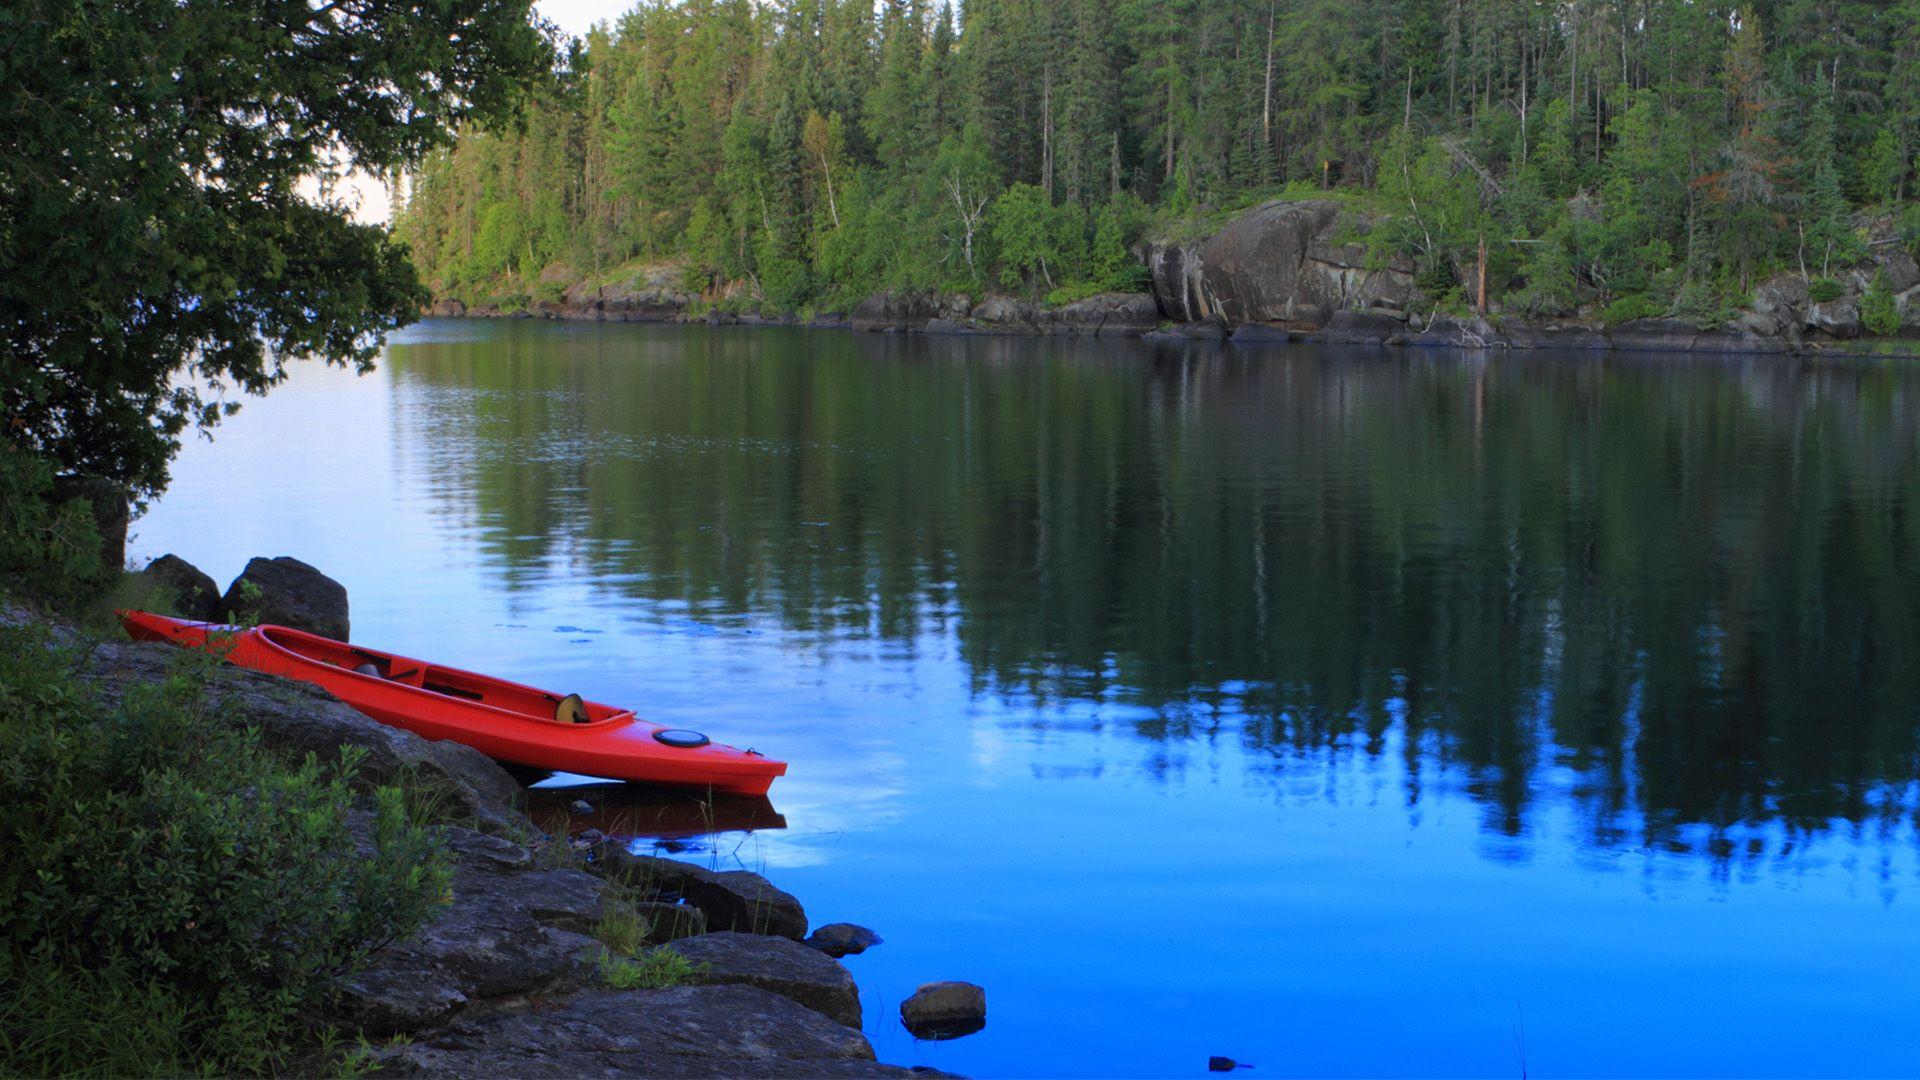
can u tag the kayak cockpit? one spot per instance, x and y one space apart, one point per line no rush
525 702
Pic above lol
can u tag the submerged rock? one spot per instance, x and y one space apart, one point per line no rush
777 966
843 939
945 1010
290 593
194 594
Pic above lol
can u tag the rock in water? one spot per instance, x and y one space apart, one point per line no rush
744 901
777 966
843 939
193 593
945 1010
291 593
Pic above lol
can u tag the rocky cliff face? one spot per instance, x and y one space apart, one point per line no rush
1293 263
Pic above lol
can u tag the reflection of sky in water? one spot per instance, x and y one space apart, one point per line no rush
1139 880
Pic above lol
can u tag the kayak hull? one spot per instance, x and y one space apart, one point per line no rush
506 721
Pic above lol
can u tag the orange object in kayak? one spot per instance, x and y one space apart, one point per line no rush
503 720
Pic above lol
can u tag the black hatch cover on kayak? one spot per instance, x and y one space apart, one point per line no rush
682 738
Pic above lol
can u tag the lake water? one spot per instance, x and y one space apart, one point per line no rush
1345 712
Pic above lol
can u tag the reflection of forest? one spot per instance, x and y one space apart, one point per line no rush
1686 583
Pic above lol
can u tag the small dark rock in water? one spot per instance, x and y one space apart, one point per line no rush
843 939
580 806
945 1010
290 593
194 594
1225 1064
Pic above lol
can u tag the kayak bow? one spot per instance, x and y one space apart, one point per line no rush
503 720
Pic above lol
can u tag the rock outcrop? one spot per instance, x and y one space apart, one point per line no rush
683 1031
288 592
1287 262
507 977
778 966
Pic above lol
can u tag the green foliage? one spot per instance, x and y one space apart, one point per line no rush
653 969
152 223
166 880
46 551
1632 306
1823 289
1879 311
825 150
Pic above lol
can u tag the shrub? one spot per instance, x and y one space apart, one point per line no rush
1821 290
654 969
48 551
1879 312
1632 306
174 897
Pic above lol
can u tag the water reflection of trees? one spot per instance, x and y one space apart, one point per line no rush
1687 584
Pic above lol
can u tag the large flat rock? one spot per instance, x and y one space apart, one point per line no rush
513 927
776 965
685 1031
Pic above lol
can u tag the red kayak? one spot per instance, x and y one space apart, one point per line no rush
503 720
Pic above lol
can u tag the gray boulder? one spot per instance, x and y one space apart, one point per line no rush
194 594
1780 303
1283 261
744 901
894 312
777 966
843 939
945 1010
1005 314
682 1031
1110 314
1840 318
290 593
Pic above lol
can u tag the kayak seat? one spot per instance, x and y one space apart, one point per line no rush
571 710
369 668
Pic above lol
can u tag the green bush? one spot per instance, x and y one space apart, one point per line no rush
1879 312
174 897
1821 290
1626 309
47 551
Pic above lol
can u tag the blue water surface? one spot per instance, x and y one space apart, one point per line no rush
1342 712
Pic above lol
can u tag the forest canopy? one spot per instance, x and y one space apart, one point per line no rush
1662 155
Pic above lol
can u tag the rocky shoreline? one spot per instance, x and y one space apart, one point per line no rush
1287 271
511 976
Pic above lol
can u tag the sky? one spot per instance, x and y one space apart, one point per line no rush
575 17
371 201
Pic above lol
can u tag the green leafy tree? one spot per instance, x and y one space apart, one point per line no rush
1879 311
151 223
